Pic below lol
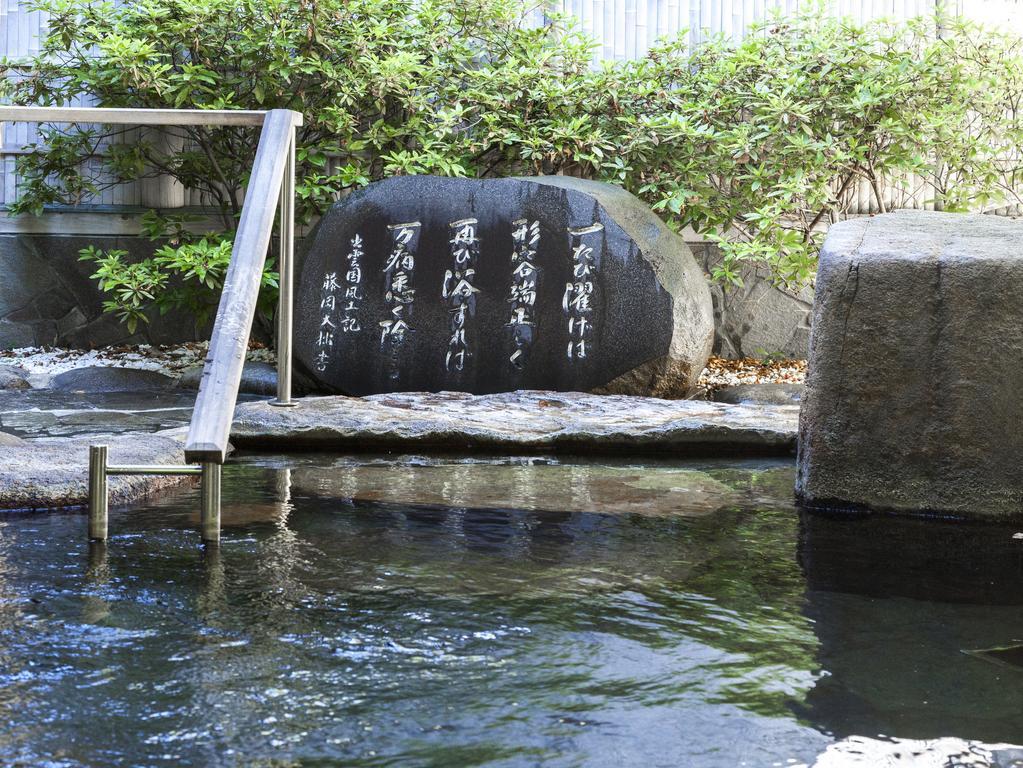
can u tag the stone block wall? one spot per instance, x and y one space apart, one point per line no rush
758 319
47 297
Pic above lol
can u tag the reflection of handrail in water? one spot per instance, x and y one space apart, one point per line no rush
271 185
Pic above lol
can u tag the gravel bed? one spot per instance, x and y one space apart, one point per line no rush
721 373
174 360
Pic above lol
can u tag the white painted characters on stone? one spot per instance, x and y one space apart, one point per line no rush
522 293
459 291
333 322
399 268
353 281
330 283
578 298
327 327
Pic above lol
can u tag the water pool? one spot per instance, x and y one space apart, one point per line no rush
390 611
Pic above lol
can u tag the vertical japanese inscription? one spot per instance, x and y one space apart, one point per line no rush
578 298
328 326
344 320
459 289
522 294
353 288
398 291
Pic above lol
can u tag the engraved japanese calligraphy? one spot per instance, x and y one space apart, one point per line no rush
327 326
398 291
522 294
578 299
555 283
458 290
353 282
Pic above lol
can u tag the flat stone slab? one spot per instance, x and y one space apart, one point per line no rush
53 472
570 422
754 394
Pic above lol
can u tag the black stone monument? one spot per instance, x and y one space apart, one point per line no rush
421 283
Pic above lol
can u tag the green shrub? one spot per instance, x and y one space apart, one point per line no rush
754 143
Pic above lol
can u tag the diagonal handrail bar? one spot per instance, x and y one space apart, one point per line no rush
210 427
271 184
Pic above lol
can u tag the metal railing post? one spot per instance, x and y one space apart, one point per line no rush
99 497
273 172
98 511
286 283
210 506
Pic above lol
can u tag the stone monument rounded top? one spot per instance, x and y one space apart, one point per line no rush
422 283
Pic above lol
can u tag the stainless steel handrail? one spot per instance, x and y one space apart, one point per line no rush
271 185
218 391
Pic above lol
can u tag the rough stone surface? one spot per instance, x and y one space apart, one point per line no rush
912 398
53 472
751 394
12 377
7 439
48 297
257 379
759 318
519 421
100 378
423 283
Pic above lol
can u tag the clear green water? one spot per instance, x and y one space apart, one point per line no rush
331 632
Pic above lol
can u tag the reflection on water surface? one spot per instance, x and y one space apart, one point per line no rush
363 613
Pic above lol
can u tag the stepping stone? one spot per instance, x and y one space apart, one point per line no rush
572 422
54 472
100 378
770 394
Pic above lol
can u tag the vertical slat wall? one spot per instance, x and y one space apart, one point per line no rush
628 28
624 28
20 32
19 36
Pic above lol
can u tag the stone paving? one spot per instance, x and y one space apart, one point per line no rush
570 422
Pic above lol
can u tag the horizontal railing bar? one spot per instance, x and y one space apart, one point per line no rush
133 116
153 469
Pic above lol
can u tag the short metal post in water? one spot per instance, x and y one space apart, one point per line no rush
98 511
210 511
99 471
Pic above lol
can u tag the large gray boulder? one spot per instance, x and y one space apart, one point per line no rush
48 297
102 378
912 399
421 283
13 377
257 378
758 318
